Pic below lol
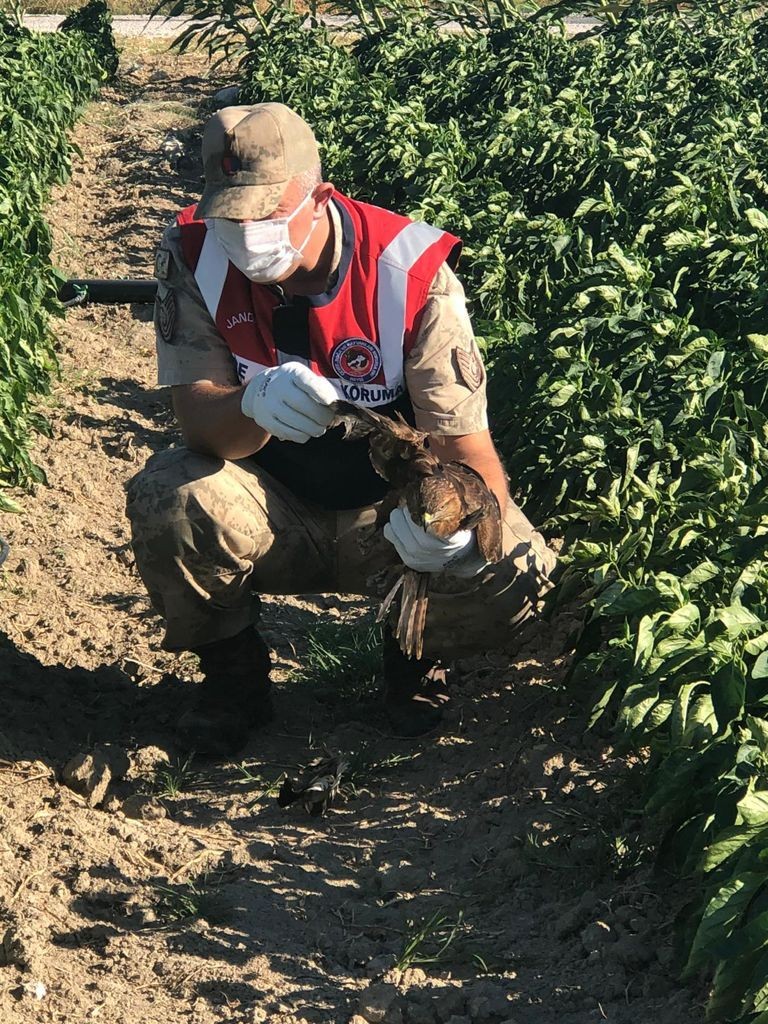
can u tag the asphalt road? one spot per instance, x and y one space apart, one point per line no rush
144 25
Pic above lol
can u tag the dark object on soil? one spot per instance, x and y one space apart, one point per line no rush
81 290
5 550
442 498
415 690
316 787
233 698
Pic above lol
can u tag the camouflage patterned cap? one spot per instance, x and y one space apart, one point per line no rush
249 156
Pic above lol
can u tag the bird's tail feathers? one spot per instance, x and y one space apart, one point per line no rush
414 601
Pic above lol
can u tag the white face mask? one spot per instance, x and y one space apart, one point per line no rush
261 249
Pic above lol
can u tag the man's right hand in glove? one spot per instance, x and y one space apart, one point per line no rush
290 402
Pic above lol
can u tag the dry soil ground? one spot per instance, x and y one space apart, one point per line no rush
183 893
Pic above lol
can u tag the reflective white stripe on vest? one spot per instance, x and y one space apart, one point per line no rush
247 369
211 272
394 263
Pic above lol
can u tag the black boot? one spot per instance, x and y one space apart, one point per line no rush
415 690
234 695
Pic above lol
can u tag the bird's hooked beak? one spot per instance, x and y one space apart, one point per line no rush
427 519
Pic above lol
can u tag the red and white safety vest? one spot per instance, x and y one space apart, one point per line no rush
359 333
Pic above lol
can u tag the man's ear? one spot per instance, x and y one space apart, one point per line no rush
323 195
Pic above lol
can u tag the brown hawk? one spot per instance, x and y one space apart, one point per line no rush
440 497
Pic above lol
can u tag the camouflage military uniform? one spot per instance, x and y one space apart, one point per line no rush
210 535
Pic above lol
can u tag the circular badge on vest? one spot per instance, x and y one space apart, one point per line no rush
356 360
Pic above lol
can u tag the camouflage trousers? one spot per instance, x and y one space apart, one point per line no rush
209 536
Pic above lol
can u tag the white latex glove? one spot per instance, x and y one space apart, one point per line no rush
290 402
422 551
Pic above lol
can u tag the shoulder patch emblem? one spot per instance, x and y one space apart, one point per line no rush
166 316
162 264
469 368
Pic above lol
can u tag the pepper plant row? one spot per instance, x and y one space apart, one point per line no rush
612 192
44 82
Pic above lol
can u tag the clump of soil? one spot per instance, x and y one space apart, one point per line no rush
487 875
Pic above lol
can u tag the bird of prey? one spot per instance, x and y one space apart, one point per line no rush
440 497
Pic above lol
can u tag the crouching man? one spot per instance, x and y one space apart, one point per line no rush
278 296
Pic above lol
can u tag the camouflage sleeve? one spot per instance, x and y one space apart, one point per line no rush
189 347
444 371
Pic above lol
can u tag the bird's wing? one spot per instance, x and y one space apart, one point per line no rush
358 421
490 534
481 509
403 431
395 446
386 507
355 428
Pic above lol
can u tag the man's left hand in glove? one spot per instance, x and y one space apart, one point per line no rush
424 552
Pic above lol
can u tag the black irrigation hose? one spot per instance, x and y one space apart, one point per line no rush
82 290
5 550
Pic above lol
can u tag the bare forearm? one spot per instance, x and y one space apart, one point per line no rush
212 423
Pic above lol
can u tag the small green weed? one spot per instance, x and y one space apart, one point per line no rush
481 963
363 768
193 899
342 657
267 787
173 779
427 942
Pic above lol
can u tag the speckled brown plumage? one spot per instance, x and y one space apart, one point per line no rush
441 498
